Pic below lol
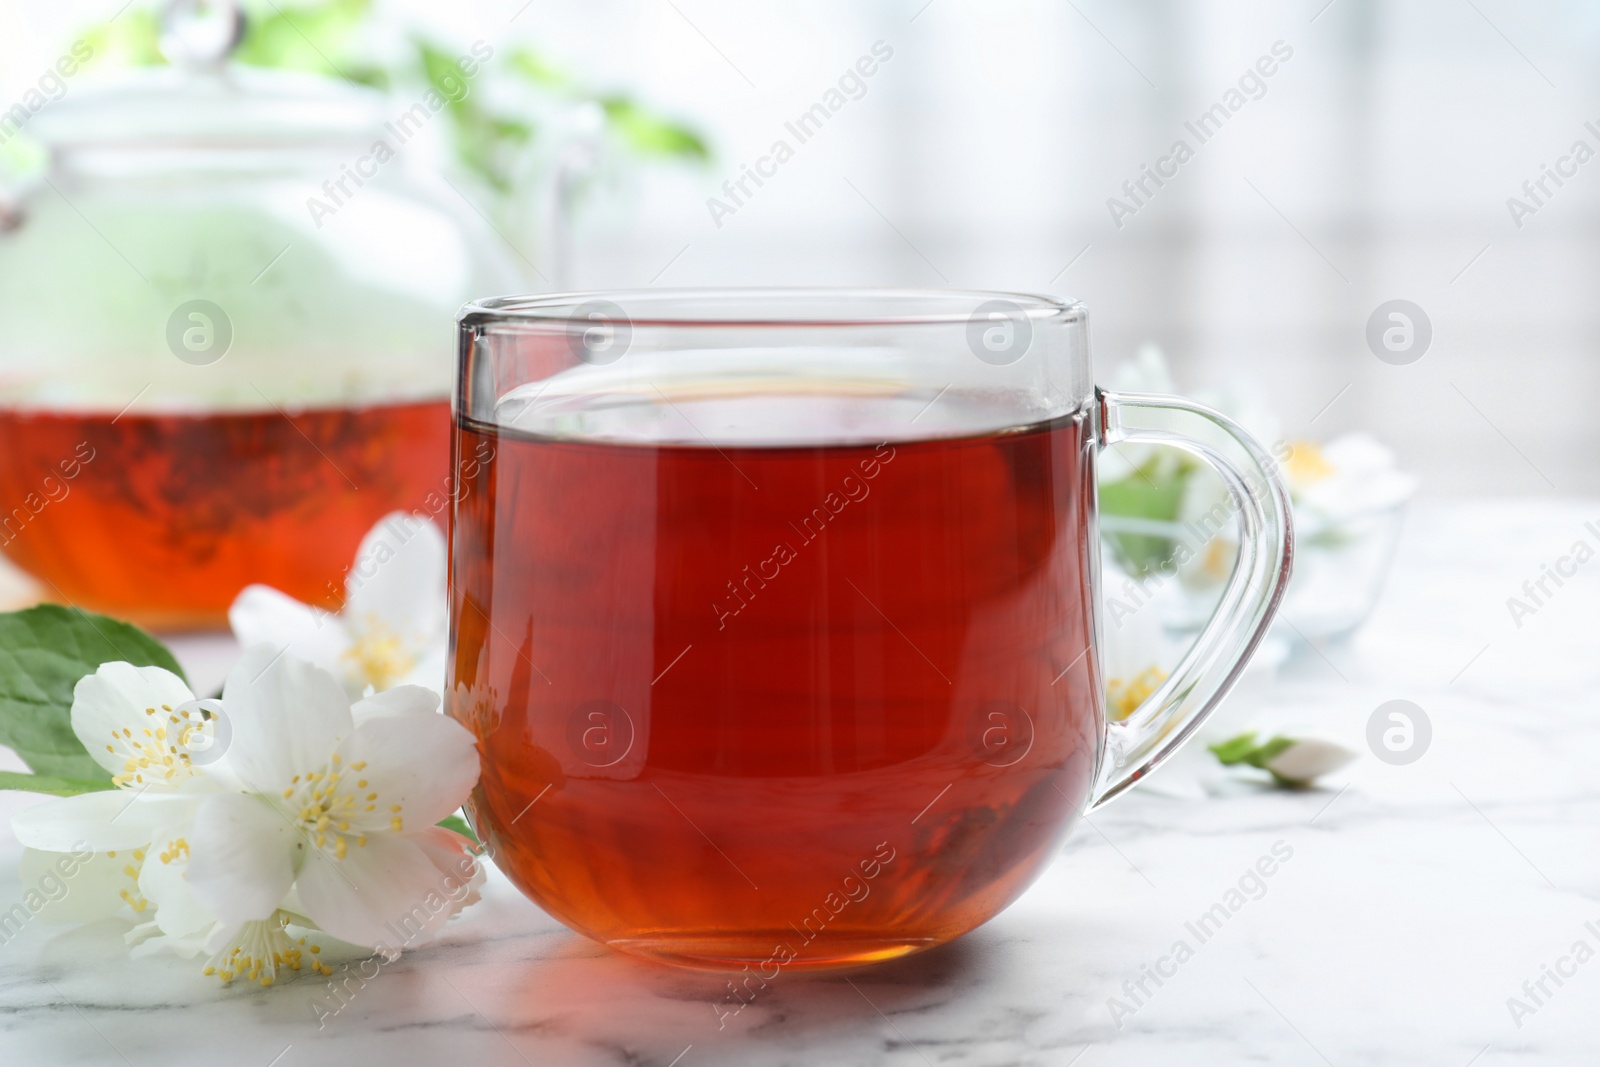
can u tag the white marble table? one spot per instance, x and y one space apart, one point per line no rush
1417 900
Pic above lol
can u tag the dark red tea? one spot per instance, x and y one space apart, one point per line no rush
164 518
785 706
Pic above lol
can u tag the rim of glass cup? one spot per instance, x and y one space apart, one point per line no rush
746 307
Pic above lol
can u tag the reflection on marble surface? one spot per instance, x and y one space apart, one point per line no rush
1415 900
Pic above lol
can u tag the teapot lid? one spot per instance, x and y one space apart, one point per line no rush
204 101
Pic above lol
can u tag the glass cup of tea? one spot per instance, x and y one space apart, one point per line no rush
774 612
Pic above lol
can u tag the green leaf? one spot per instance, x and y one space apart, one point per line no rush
1243 749
1151 493
652 135
1270 751
51 784
1234 749
322 38
443 75
336 38
459 825
511 130
317 39
21 158
536 70
43 653
133 40
1142 497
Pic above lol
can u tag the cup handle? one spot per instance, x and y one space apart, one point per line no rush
1158 727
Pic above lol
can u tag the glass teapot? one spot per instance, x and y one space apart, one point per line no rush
225 332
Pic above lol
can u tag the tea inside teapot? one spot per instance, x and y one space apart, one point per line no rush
208 377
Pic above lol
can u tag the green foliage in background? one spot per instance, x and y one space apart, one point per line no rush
335 38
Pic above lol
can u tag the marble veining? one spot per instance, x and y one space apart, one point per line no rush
1415 900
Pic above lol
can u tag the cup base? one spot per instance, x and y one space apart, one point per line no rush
762 952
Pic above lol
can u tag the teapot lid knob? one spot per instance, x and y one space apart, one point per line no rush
201 33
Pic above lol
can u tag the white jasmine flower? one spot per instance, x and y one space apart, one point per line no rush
477 707
1331 486
1245 402
181 925
341 802
254 950
1308 759
1292 761
1349 476
308 812
1146 372
178 922
1209 529
144 726
1135 655
451 855
392 630
102 885
257 950
338 804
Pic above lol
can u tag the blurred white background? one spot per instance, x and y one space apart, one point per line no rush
1376 165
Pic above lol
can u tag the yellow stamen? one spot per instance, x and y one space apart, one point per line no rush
1306 464
1123 696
